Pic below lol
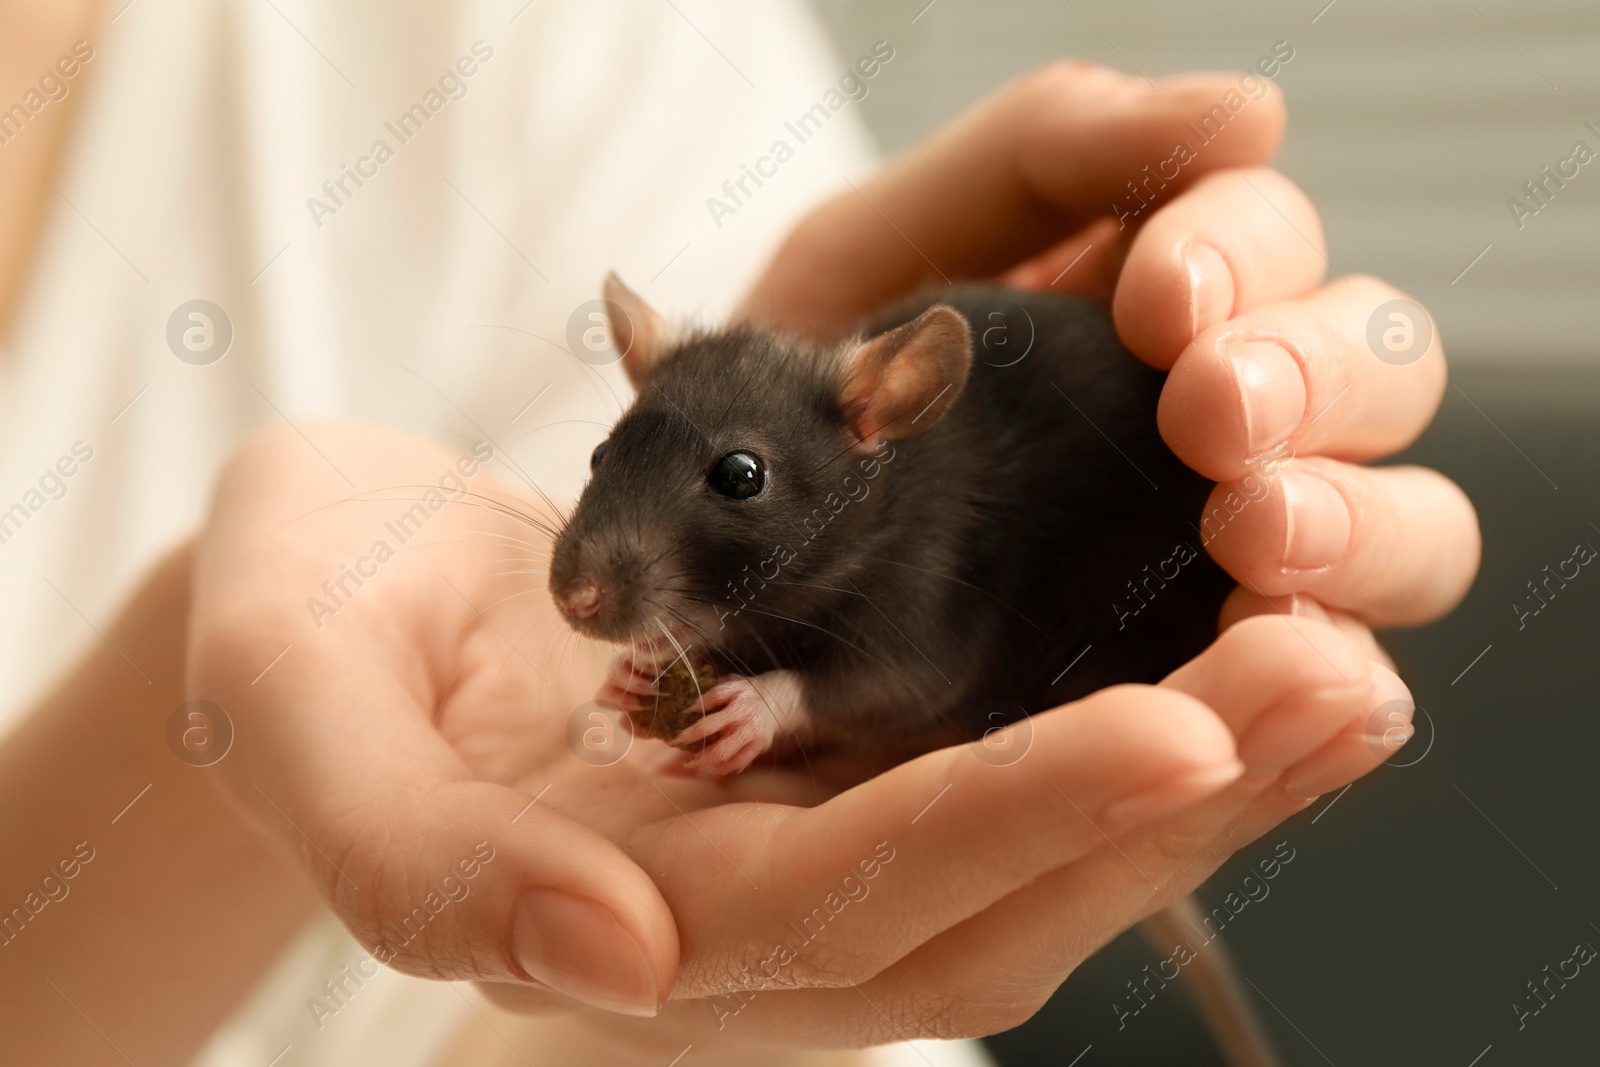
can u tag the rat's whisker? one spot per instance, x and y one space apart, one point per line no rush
809 585
501 535
683 653
467 497
749 673
885 664
515 559
688 594
496 603
959 581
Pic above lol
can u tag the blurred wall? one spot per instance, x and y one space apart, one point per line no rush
1411 125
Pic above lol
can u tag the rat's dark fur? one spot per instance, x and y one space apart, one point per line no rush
949 578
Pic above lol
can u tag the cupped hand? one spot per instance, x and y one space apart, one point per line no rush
420 743
1155 197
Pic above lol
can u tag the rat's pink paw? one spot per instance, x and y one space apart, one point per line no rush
745 715
632 676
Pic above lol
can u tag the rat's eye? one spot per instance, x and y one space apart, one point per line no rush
594 457
739 475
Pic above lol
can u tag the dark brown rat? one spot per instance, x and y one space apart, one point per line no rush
964 516
961 517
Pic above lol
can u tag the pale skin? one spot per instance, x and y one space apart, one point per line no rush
408 728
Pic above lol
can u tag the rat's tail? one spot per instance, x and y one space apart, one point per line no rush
1215 987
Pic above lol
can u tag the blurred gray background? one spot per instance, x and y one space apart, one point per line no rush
1410 124
1422 903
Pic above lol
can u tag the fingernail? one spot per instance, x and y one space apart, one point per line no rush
1393 739
1388 728
1272 389
1301 605
1210 287
579 949
1318 521
1172 794
1393 709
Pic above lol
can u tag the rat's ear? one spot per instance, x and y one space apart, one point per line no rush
641 335
898 383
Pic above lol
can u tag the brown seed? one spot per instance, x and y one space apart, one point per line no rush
676 693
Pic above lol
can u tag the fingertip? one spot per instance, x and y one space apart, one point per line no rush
1076 81
1397 545
1085 264
579 948
1383 728
494 884
1235 239
1321 651
1389 689
1232 399
1245 603
1242 122
1164 289
1210 293
1201 413
1175 720
1468 537
1171 745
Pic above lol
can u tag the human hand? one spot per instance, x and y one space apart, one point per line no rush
1213 272
430 713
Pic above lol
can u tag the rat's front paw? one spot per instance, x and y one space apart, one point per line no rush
746 716
633 676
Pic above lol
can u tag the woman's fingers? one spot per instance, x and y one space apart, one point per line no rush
1038 161
338 757
1352 749
1397 546
1243 604
1318 377
974 829
1281 685
1290 711
437 874
1235 240
1084 264
1305 372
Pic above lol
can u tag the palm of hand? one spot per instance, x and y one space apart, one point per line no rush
432 713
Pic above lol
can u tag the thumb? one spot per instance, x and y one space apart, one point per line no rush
1039 160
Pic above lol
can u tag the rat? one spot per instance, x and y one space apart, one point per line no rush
959 517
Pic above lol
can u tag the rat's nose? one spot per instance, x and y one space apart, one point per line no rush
583 599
